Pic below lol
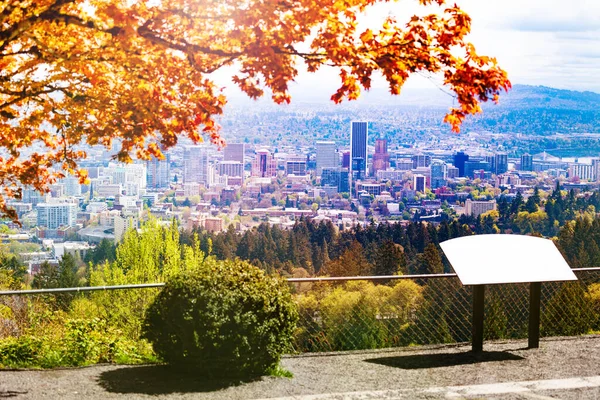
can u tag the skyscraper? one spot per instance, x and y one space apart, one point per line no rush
526 162
381 158
438 174
358 149
158 172
295 165
195 164
501 164
326 156
72 186
459 162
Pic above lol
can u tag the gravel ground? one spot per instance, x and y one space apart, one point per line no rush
410 372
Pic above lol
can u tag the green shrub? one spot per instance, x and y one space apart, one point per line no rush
73 342
16 352
226 318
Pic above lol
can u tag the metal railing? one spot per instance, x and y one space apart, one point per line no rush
350 313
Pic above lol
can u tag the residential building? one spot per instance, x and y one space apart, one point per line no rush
476 208
54 215
526 162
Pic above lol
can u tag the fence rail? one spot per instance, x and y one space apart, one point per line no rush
290 280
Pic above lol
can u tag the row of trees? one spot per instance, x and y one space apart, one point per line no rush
382 249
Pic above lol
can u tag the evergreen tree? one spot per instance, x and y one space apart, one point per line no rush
430 262
517 204
389 259
351 263
47 277
104 251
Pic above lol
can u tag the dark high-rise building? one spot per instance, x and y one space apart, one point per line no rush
419 183
358 149
335 176
346 159
501 163
526 162
475 165
459 162
381 158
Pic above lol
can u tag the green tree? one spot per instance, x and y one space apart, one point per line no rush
47 277
104 251
352 262
430 262
389 259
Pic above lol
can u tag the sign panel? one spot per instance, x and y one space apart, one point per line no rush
494 259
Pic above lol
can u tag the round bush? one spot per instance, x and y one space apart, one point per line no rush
228 318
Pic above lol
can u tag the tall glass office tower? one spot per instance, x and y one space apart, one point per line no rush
358 149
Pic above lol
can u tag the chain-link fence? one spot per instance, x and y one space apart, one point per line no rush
366 314
345 314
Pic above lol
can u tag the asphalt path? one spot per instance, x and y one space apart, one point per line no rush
564 368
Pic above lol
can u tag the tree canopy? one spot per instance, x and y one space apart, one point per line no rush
137 73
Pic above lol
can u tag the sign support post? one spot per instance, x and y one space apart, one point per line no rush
535 291
478 312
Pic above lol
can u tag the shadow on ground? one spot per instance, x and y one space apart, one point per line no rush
160 379
420 361
4 394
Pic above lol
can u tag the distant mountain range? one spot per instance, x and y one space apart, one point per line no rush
520 96
525 109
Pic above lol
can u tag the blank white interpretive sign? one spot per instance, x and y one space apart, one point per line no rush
491 259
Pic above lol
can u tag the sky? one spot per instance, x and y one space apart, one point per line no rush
538 42
550 42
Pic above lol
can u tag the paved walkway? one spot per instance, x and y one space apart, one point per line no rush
566 368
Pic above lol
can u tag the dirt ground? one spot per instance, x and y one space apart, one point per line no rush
416 372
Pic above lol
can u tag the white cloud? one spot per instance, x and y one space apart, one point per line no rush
539 42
